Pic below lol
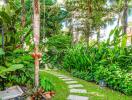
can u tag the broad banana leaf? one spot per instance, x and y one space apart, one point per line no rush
1 52
4 70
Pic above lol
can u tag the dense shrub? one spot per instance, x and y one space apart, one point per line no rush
25 75
102 63
18 69
57 46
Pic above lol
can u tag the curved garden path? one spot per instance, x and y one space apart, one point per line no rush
75 88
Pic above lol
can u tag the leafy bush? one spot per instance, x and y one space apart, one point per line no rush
81 74
57 46
18 69
112 75
109 63
22 76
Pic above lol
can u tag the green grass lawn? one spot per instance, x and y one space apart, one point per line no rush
94 91
61 88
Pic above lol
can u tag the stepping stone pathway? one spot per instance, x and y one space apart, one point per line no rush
74 87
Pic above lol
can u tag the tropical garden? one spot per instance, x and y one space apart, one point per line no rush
47 45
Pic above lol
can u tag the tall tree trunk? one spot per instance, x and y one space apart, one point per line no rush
118 20
73 28
131 39
89 12
23 19
125 16
2 37
36 30
88 36
98 36
131 35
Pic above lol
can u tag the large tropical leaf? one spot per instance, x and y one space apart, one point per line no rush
1 52
6 18
4 70
124 41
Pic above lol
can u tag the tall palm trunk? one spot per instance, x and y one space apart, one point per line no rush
98 36
23 19
36 30
125 16
23 13
89 12
118 20
2 37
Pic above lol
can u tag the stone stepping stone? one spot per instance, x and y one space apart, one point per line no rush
61 75
76 97
78 91
71 82
64 77
75 86
67 79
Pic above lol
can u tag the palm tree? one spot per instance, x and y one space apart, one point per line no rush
121 7
23 12
36 30
23 18
125 16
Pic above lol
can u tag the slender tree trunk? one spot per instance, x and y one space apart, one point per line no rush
125 16
23 19
2 37
131 35
118 21
88 36
98 36
89 12
131 39
73 29
36 30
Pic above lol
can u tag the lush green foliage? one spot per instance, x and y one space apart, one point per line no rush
25 75
57 46
96 64
52 17
108 62
111 61
16 64
18 69
46 84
